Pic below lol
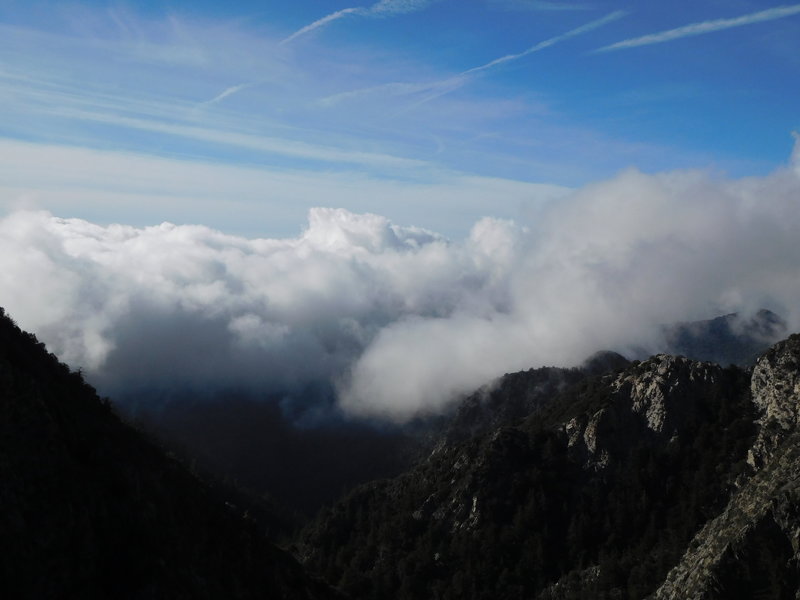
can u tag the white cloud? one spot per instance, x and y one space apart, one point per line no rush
693 29
602 270
400 319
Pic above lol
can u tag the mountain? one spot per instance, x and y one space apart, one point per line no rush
729 339
666 478
669 478
91 508
517 395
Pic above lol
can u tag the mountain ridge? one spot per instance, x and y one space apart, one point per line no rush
610 481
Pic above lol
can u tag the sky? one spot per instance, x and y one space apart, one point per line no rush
399 199
244 115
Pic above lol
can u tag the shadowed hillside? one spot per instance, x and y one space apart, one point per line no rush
89 508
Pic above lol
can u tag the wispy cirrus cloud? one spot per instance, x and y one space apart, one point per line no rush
445 86
779 12
381 8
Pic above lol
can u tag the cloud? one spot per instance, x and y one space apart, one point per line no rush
188 307
381 8
399 319
770 14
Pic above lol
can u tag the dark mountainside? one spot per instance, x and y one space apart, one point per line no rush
252 443
89 508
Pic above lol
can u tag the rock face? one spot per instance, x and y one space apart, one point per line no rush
775 388
656 399
90 508
752 548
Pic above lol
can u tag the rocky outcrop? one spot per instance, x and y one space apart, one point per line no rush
664 389
654 400
775 388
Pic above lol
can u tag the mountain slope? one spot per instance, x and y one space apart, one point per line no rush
89 508
595 495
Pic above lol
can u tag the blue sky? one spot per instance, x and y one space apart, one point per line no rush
241 116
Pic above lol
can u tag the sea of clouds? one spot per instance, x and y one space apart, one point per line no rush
399 320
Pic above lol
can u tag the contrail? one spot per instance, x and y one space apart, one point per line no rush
445 86
448 85
383 7
320 22
227 92
547 43
705 27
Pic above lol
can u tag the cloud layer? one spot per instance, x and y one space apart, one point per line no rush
399 319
